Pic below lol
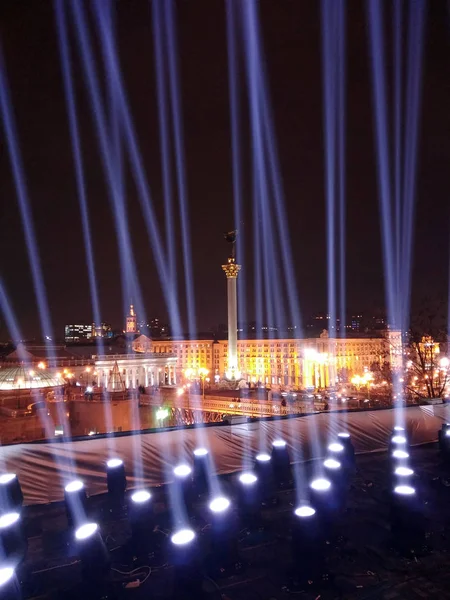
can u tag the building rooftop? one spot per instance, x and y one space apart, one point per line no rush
23 377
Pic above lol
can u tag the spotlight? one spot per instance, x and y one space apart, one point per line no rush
248 478
142 521
320 485
403 472
219 505
224 551
402 475
249 500
332 464
304 511
265 475
93 554
336 475
201 470
406 519
76 502
398 440
279 444
182 471
444 438
399 428
200 452
400 454
348 458
281 463
11 496
183 483
183 537
325 500
9 586
404 490
184 556
12 539
336 448
307 545
116 478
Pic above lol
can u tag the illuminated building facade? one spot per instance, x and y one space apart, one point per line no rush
104 330
131 321
79 333
300 363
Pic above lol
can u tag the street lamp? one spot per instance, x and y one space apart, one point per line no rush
161 414
203 373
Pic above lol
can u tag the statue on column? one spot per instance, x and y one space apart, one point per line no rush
230 237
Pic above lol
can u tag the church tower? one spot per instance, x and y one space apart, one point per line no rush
131 327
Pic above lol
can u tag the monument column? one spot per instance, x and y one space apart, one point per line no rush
231 271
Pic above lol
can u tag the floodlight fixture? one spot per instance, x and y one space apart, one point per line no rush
403 472
406 518
400 454
325 497
186 561
404 490
182 471
11 496
183 483
444 438
219 505
182 537
264 471
224 536
9 585
248 479
116 478
281 462
249 500
307 544
142 522
12 538
92 552
336 448
398 440
320 484
202 467
76 502
347 457
279 444
332 464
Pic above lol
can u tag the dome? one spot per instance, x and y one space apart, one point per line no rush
27 377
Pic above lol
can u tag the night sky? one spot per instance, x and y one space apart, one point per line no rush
291 32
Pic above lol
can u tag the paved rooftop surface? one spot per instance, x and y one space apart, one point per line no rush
362 561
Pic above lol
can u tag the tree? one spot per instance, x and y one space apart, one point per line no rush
426 372
382 372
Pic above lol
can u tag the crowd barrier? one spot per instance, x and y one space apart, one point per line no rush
44 468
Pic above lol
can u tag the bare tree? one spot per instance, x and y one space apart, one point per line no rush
426 368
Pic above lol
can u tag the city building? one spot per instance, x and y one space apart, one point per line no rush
356 323
131 322
317 362
299 363
104 330
76 334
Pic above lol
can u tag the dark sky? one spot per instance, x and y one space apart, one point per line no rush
291 32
